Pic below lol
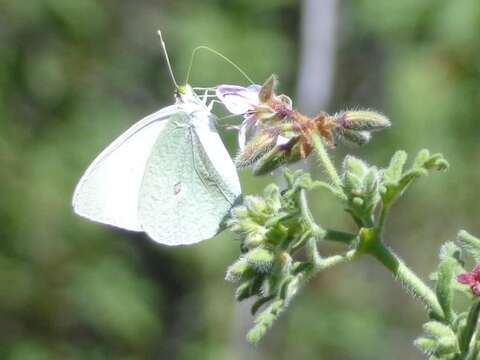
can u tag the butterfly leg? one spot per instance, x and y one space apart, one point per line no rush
211 103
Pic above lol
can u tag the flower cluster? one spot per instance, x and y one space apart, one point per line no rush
452 334
280 238
271 232
273 134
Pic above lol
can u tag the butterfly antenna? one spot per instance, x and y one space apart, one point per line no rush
170 71
215 52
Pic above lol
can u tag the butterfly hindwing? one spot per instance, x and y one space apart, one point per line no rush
187 191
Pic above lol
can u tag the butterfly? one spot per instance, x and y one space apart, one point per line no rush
169 175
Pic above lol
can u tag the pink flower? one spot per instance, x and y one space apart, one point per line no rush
472 279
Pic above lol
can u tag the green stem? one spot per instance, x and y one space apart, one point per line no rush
312 251
334 260
469 329
406 277
317 232
329 262
308 217
339 236
383 218
326 161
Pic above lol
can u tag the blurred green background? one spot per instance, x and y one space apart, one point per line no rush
75 73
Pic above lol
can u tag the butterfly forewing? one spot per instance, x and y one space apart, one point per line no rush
186 191
108 191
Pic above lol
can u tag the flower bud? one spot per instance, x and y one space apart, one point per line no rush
437 329
426 345
362 120
257 147
255 205
371 180
255 239
240 212
278 156
260 259
353 137
447 345
236 270
268 89
357 201
355 166
273 197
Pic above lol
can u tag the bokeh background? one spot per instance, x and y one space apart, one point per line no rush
75 73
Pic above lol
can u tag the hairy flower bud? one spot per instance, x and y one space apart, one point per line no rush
256 238
255 205
279 155
236 270
352 137
355 166
362 120
268 88
260 259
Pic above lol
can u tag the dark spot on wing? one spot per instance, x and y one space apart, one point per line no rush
177 188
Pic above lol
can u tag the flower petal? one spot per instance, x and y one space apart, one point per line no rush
476 289
246 131
466 278
282 140
238 99
242 137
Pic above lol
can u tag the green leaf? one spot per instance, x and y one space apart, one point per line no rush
243 291
259 303
265 320
395 182
445 275
394 170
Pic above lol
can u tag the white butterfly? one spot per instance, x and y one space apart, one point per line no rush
168 175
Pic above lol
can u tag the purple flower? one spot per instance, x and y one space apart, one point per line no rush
259 106
472 279
239 100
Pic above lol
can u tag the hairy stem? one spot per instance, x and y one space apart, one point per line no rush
326 161
333 260
383 218
406 277
329 262
317 232
308 217
339 236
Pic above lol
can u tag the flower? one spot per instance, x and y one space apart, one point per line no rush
472 279
273 134
259 105
239 100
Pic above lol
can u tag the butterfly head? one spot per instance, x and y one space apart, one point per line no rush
185 94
